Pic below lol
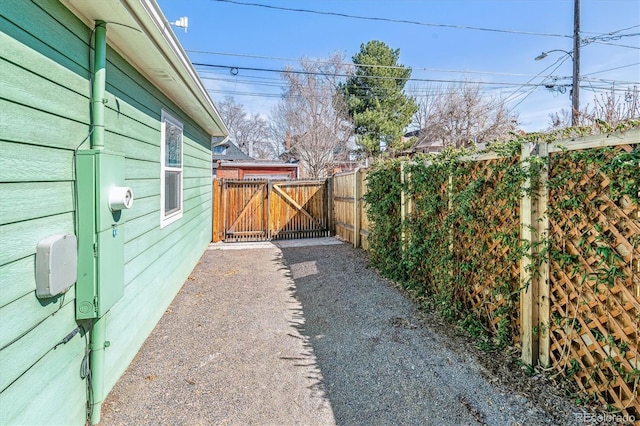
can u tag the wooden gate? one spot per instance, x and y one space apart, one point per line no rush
262 210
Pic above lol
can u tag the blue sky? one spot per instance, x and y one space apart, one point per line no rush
503 60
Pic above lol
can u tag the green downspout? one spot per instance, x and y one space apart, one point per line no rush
98 87
98 331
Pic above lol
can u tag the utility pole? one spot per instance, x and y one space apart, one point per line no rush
575 88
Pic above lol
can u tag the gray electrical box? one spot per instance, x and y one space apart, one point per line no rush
56 265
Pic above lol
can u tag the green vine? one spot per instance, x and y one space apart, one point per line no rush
459 248
383 210
588 188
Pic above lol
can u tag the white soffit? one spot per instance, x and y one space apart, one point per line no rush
138 31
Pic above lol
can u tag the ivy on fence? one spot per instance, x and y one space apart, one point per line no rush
487 249
458 244
462 244
384 205
427 256
595 237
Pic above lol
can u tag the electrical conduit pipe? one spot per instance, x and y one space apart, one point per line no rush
98 331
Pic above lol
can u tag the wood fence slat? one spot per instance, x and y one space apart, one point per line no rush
248 210
242 216
357 188
293 202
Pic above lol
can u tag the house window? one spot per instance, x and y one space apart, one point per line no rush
171 170
220 149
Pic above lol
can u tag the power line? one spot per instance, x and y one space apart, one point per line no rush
616 44
397 21
257 94
595 89
280 84
428 80
225 73
418 90
559 62
607 37
416 95
624 29
538 75
602 80
607 89
611 36
361 65
414 91
613 69
611 32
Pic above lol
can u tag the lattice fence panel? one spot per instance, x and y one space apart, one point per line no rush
427 191
486 243
595 278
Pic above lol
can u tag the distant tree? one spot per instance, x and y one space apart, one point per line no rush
375 97
611 107
426 105
560 119
312 115
460 116
249 132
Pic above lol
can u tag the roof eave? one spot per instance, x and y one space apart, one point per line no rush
140 33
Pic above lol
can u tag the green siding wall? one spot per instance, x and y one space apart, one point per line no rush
44 117
157 261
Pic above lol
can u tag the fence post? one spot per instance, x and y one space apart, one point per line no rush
268 212
224 184
216 217
542 225
357 189
331 226
213 210
405 203
403 207
528 283
451 227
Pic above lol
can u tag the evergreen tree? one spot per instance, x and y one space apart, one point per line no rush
376 102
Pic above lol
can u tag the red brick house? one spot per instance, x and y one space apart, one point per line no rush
229 162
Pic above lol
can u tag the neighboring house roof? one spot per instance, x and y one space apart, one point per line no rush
428 146
140 33
232 153
423 144
259 164
412 134
233 157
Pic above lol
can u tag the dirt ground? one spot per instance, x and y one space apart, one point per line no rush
343 275
310 335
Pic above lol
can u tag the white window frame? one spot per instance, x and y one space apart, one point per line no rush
166 219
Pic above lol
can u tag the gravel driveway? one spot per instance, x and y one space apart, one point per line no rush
309 335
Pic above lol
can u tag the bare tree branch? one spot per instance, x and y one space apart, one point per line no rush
460 116
249 132
312 116
609 107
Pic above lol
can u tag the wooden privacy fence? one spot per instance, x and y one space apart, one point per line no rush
349 214
261 210
567 291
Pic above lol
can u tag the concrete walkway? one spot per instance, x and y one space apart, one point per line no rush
304 333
